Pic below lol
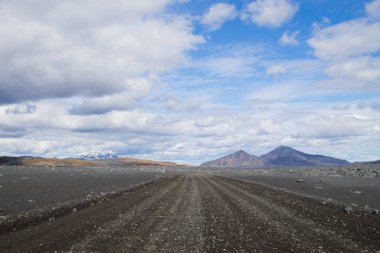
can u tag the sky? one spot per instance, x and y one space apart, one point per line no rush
189 81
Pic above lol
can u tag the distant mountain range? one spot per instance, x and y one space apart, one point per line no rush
281 156
39 161
111 162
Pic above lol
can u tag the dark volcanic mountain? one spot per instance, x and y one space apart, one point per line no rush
286 156
237 159
281 156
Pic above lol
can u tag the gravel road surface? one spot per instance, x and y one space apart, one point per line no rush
203 213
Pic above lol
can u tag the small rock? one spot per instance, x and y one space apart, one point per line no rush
357 192
348 209
375 211
354 205
31 200
300 180
322 181
318 187
74 210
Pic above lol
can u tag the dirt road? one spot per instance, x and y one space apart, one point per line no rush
202 213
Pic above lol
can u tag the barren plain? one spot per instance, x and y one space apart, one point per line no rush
205 211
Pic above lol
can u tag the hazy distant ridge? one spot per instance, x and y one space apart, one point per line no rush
116 162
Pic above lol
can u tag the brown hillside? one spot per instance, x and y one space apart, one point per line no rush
55 162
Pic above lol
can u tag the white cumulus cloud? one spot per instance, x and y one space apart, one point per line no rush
289 39
55 49
373 9
218 14
347 39
349 51
272 13
276 70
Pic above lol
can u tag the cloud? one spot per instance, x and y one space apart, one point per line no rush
136 89
326 20
271 13
376 130
373 9
329 126
362 69
289 39
87 48
346 39
349 51
276 70
267 126
116 76
183 136
11 132
25 108
218 14
373 105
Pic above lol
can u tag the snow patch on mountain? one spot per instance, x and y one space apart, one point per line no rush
95 155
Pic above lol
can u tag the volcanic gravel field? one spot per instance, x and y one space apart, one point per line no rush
343 190
24 189
203 213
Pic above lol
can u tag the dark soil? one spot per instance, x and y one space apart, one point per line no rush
203 213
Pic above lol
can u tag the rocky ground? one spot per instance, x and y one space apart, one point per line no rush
200 212
24 189
352 170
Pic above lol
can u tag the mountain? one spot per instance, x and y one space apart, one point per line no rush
368 162
237 159
39 161
95 155
128 161
42 162
286 156
281 156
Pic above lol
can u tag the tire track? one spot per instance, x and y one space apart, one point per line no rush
328 224
180 230
202 213
253 222
131 230
317 237
229 229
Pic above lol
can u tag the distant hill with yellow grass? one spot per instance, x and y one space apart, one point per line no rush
55 162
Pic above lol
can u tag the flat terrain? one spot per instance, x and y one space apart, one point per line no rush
203 213
343 190
27 188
